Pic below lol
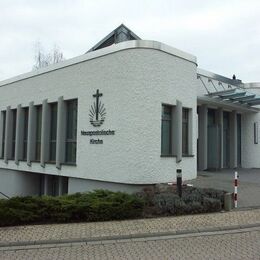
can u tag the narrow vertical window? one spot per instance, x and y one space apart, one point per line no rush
166 130
25 133
14 112
185 131
71 131
3 133
38 133
256 133
53 131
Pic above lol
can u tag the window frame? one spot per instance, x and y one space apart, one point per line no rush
186 122
38 133
53 137
25 133
187 152
71 129
13 141
170 121
3 114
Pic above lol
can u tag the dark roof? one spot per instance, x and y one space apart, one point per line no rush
120 34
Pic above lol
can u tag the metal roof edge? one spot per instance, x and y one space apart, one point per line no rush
226 104
212 75
252 85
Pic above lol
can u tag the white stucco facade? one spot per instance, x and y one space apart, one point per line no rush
250 150
18 183
135 78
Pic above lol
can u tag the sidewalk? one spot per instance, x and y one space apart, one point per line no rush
248 184
113 230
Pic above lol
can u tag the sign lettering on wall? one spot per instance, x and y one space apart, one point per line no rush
97 116
97 111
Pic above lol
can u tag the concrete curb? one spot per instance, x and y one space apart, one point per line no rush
141 236
246 208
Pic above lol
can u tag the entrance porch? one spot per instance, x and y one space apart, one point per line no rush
219 138
227 123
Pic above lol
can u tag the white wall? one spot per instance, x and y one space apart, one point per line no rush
14 183
82 185
134 82
250 150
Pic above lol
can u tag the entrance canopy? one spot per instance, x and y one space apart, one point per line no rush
237 96
226 92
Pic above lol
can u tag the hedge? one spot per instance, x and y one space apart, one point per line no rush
103 205
193 201
100 205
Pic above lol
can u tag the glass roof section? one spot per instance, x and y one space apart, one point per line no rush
229 91
237 96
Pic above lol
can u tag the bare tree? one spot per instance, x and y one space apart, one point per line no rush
44 59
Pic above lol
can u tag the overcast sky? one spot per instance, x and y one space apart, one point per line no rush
224 35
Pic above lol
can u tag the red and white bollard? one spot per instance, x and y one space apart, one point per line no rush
235 189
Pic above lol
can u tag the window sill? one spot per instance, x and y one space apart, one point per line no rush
174 156
69 164
168 155
50 162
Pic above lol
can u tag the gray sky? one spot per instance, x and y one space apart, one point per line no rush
224 35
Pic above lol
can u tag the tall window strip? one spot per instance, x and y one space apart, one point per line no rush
185 131
53 131
71 131
166 130
3 134
14 112
25 133
38 133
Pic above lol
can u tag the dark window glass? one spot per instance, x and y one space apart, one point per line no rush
185 131
14 112
38 133
3 133
53 131
71 131
25 132
211 117
166 130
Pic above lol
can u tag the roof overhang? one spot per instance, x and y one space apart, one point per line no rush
226 104
237 96
220 78
229 93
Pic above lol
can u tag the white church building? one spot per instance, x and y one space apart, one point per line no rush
126 114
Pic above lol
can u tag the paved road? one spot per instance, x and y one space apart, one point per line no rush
248 189
230 235
235 244
38 234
